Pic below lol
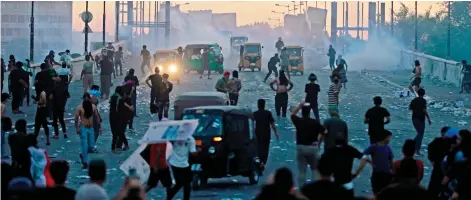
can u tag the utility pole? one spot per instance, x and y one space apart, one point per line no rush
31 36
117 4
167 24
104 24
358 20
448 44
362 19
392 18
416 44
86 29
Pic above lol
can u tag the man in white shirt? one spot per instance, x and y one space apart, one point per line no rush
179 162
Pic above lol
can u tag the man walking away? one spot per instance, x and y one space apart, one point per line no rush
331 55
118 61
135 81
312 90
181 167
87 74
85 113
466 81
234 87
164 97
41 117
272 66
145 54
263 122
155 85
308 131
105 76
374 117
159 168
114 118
59 99
381 160
418 106
17 86
205 60
26 75
125 112
333 94
336 129
416 78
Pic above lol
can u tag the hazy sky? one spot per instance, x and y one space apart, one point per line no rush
247 12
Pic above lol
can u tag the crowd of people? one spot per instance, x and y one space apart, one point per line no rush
31 173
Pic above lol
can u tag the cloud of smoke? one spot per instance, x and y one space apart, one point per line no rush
380 52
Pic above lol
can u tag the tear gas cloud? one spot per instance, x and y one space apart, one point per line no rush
380 52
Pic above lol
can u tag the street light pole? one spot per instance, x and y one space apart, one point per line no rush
104 23
416 44
31 36
448 44
392 18
86 29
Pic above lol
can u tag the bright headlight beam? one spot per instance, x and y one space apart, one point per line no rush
173 68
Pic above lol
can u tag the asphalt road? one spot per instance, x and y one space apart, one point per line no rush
354 102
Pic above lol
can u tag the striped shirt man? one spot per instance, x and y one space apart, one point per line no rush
333 97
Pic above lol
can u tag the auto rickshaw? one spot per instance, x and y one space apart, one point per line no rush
167 62
296 61
225 142
252 57
194 99
236 42
192 58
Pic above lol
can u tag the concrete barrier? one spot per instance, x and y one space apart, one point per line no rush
77 64
448 71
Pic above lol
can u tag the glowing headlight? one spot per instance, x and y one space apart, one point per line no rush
211 150
160 67
173 68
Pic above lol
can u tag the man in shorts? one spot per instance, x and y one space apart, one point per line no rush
416 79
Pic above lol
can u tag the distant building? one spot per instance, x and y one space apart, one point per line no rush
224 21
52 25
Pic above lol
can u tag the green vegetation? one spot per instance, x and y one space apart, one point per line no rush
433 30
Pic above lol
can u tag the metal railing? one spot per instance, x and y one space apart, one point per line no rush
448 71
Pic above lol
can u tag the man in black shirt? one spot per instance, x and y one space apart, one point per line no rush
105 76
205 60
59 100
17 85
114 118
272 66
312 90
26 76
324 188
418 106
374 117
155 85
145 59
132 92
307 145
340 160
263 121
163 102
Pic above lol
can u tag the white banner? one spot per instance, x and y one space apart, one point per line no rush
159 132
136 162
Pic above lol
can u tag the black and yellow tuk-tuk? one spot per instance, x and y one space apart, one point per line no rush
296 60
168 63
194 99
225 142
252 57
236 42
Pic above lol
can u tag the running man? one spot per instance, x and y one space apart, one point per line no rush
416 78
145 60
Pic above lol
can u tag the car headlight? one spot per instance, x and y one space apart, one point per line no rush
212 150
173 68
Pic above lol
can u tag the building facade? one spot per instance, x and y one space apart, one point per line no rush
52 28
